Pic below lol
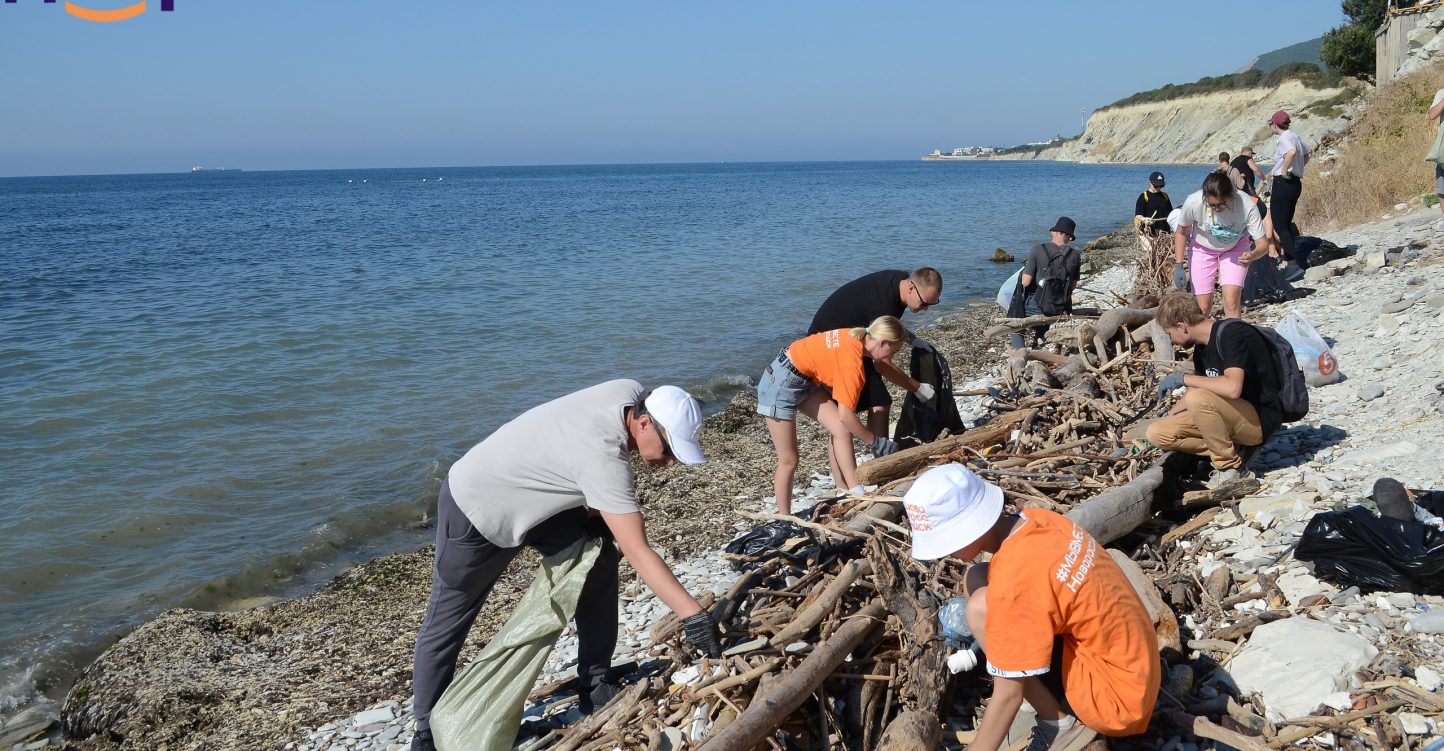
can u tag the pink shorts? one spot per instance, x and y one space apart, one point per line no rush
1205 266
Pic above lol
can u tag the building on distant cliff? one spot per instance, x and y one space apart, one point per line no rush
1405 27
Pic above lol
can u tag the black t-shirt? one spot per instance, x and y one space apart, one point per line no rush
1240 163
1239 345
860 301
1155 206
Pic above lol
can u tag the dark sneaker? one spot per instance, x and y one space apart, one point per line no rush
598 697
1074 738
422 741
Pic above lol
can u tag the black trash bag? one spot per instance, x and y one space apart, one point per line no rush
767 541
920 422
1355 548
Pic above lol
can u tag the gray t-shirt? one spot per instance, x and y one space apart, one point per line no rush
568 453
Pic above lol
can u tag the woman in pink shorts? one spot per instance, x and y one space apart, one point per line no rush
1216 228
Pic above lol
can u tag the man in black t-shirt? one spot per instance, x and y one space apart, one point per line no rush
858 303
1233 393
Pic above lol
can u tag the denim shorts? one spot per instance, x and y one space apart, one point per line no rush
780 390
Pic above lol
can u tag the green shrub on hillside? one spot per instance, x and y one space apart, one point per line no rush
1307 73
1349 49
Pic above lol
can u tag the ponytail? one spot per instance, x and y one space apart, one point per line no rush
886 328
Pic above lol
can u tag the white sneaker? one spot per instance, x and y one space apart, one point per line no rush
1221 477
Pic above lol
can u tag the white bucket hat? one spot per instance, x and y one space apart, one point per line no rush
681 416
949 508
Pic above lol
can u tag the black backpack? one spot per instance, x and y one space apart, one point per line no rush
1053 295
1293 389
919 422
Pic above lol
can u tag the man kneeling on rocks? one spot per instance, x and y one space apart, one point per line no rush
1232 402
556 474
1057 618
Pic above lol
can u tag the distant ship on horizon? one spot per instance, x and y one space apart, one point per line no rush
198 168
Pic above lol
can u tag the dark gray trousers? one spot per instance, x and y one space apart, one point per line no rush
468 566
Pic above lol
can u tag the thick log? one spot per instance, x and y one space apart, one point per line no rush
1012 325
903 463
1118 511
1220 494
779 698
1113 322
823 604
919 728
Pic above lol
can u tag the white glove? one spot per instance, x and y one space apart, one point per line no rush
925 392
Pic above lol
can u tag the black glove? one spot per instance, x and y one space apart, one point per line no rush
1180 277
882 446
701 632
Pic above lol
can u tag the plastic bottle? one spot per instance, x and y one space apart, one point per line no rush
954 617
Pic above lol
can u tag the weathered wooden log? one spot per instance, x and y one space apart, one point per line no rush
919 728
807 618
1014 325
779 698
1153 333
1118 511
1220 494
1072 367
903 463
1039 376
1112 322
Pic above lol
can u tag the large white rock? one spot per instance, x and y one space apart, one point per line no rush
1298 664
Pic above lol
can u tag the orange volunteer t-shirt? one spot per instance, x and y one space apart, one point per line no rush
1051 578
833 359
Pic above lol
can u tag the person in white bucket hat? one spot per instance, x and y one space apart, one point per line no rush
1057 618
559 472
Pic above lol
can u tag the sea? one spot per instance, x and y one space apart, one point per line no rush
219 388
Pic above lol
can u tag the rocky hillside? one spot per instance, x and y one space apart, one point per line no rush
1195 128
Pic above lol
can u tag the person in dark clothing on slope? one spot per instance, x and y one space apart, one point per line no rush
1291 157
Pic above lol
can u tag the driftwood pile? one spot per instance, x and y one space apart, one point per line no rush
831 644
833 639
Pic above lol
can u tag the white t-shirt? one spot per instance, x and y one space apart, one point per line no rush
1220 231
1290 140
567 453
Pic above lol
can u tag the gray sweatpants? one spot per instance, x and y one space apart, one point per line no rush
468 566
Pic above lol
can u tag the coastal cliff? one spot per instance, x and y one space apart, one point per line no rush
1195 128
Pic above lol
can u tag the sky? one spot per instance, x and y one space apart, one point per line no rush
331 84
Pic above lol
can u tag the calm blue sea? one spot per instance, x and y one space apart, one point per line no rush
222 386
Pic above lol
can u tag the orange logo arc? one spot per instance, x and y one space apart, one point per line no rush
105 16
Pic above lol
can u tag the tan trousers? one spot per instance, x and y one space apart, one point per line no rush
1211 425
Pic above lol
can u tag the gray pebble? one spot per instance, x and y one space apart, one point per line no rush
1371 392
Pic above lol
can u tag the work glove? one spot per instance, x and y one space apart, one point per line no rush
1180 277
1168 383
925 392
700 630
882 446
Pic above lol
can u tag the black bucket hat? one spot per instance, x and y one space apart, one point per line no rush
1066 226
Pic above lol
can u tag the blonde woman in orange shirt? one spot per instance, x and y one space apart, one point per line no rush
821 376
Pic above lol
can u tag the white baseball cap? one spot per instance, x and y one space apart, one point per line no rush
949 508
681 416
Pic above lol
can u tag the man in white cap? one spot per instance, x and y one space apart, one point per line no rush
1059 622
558 473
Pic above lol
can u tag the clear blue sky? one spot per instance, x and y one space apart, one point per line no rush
302 84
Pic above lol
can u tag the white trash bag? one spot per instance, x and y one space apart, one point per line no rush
1005 292
1315 359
